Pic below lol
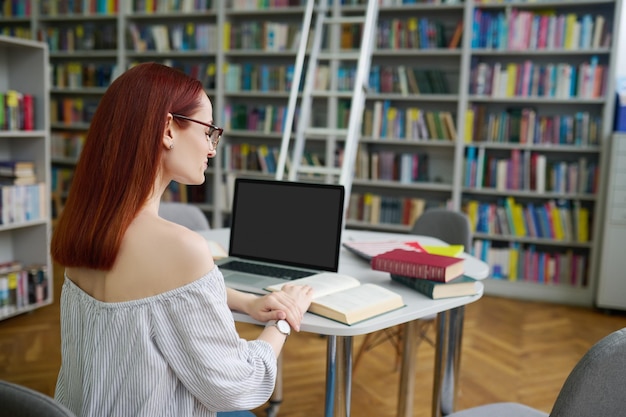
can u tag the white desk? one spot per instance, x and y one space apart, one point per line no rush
339 351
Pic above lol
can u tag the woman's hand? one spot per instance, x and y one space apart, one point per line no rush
290 303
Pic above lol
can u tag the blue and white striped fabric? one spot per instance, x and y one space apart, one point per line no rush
173 354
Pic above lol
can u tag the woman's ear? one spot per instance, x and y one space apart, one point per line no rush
168 140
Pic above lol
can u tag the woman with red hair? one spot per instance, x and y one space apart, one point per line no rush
146 321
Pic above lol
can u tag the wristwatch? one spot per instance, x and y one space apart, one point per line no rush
281 325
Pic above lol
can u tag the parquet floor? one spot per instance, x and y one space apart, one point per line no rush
512 351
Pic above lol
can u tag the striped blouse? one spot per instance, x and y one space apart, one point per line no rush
174 354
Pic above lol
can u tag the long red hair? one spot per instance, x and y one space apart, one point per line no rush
119 162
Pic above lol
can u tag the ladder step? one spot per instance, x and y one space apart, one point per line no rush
343 55
325 131
344 19
307 169
325 93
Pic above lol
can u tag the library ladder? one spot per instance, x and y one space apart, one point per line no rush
332 19
327 20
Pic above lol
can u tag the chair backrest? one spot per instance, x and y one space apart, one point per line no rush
19 401
184 214
595 385
453 227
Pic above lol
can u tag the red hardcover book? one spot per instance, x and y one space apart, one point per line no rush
419 265
29 112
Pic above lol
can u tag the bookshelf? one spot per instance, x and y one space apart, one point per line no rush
83 53
541 97
16 19
430 119
25 266
407 155
183 35
259 52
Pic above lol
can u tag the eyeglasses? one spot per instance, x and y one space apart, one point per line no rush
214 133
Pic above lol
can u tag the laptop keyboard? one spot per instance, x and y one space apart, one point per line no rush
267 270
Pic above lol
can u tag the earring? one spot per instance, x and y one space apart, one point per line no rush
171 145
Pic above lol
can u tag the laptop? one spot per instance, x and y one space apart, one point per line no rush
282 230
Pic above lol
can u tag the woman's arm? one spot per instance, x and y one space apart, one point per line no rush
290 304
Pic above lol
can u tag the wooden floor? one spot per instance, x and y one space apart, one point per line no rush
512 351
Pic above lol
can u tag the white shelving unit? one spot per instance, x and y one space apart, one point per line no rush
24 68
612 281
574 153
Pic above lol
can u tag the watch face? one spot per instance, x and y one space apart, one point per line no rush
283 326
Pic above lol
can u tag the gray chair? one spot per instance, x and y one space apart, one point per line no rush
594 388
184 214
452 227
19 401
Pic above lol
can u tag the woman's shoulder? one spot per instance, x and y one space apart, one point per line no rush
165 250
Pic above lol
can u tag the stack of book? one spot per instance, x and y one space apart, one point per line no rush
14 172
434 275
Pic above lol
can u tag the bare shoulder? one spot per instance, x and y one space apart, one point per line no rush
161 251
189 244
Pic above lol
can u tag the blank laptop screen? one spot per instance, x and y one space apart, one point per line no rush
292 223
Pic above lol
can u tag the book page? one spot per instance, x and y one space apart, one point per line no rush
323 283
369 249
217 250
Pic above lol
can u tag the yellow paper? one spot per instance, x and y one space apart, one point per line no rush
449 250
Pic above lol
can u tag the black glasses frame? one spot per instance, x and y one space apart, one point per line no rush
212 129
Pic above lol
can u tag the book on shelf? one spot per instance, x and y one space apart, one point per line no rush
22 180
368 249
455 39
419 265
458 287
17 110
23 286
14 172
344 299
17 168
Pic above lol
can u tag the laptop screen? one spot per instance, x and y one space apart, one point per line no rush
286 222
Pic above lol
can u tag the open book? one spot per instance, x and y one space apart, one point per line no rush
368 249
217 250
344 299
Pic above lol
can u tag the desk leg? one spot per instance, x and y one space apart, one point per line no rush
339 376
447 360
331 371
406 391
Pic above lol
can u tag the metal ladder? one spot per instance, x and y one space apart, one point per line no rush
362 58
350 136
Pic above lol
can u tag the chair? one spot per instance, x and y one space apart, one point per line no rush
593 388
184 214
453 227
19 401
